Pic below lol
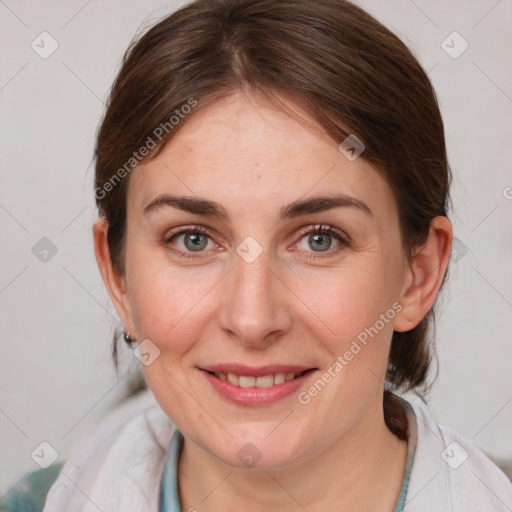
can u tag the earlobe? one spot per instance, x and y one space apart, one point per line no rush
425 275
114 282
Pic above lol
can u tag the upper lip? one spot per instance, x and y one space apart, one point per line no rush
252 371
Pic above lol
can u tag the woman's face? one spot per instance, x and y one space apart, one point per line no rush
257 289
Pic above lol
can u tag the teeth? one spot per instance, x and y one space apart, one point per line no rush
245 382
233 379
279 378
263 381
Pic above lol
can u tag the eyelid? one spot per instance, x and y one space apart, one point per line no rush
324 228
184 230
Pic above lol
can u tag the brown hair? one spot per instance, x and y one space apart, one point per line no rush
350 72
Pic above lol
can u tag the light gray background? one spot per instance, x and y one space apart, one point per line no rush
56 376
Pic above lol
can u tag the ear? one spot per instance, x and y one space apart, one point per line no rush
425 275
114 281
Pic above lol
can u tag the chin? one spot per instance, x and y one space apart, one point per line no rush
255 450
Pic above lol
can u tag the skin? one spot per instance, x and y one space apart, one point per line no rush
335 452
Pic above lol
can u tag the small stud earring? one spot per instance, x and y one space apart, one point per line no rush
127 337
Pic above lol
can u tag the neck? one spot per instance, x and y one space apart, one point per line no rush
362 470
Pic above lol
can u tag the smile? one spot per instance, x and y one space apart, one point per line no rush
263 381
256 390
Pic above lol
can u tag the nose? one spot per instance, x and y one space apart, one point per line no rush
253 304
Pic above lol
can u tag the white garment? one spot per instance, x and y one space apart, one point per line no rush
120 468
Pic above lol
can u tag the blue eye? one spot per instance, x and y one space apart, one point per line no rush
198 241
319 239
195 239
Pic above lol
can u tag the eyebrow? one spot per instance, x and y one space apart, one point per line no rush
201 206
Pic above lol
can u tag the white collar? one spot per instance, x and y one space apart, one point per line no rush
120 468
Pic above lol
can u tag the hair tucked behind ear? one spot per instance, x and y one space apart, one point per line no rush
350 72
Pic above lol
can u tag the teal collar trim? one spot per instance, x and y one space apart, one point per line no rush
169 497
411 450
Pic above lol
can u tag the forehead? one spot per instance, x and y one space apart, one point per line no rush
242 151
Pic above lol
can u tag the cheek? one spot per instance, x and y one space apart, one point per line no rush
353 323
168 305
344 302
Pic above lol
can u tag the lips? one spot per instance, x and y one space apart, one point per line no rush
263 381
261 389
251 371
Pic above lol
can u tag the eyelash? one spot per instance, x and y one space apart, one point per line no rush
318 229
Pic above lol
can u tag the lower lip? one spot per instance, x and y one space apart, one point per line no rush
256 396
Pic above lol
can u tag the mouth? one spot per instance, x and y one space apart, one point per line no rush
262 388
262 381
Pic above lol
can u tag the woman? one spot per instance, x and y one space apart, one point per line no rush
272 184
